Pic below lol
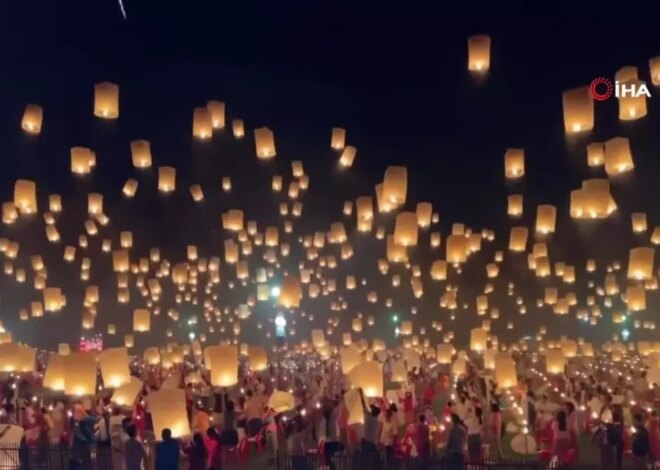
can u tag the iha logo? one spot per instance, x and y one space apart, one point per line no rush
601 89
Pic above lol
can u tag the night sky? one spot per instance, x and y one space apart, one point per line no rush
394 76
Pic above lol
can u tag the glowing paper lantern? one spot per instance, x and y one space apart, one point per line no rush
80 374
595 154
514 163
290 292
518 239
578 106
338 138
257 357
141 153
106 100
405 229
202 124
424 213
636 298
478 339
555 361
223 364
618 156
281 402
640 263
546 217
505 371
32 119
632 106
395 185
479 53
125 394
457 249
350 357
55 372
130 187
265 143
638 222
25 196
368 376
166 179
515 207
217 112
141 320
114 367
168 411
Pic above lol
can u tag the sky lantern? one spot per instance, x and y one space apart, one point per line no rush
223 364
505 371
618 156
638 222
202 124
32 119
238 128
595 154
395 253
515 205
216 110
632 107
636 298
95 203
130 188
166 179
546 217
405 229
54 374
424 213
290 292
114 367
478 339
196 193
168 411
233 220
81 160
578 106
25 196
106 100
9 213
395 185
265 143
518 239
80 374
457 249
356 325
120 261
640 263
347 156
514 163
555 361
338 138
479 53
337 234
369 376
141 320
125 394
141 153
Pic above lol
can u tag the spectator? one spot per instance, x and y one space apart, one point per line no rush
134 454
561 438
167 452
196 452
423 439
475 428
388 437
641 445
456 443
368 445
214 447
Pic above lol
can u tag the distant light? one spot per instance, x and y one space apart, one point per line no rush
275 291
280 321
395 318
625 334
396 331
191 335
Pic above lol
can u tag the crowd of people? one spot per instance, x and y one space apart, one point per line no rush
462 418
